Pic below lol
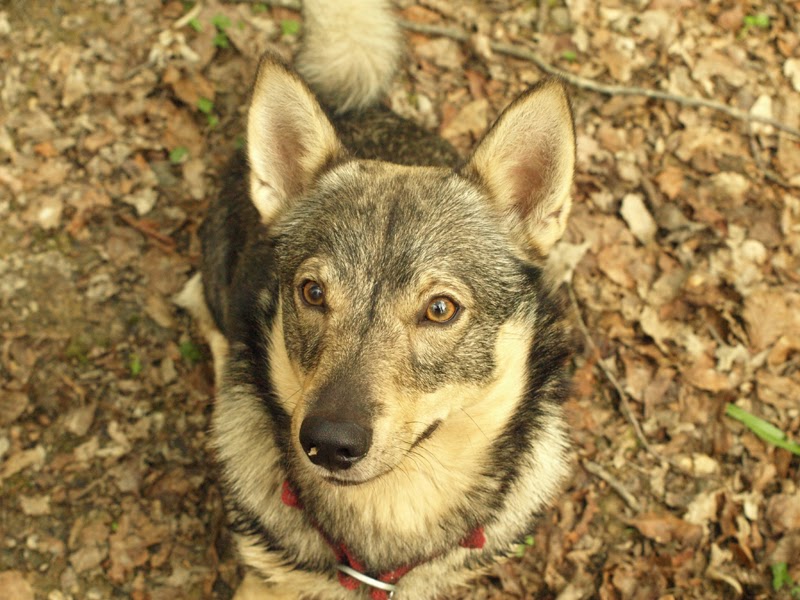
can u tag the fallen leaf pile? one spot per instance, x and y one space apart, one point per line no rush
682 259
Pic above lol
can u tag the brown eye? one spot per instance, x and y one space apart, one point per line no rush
312 293
441 310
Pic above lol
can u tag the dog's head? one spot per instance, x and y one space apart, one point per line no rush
407 294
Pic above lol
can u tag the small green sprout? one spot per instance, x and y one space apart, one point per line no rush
195 24
190 352
569 55
135 365
178 154
781 579
205 106
761 21
221 22
528 542
290 27
221 40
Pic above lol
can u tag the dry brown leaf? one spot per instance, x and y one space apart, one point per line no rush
638 218
472 118
769 315
664 528
15 586
670 181
783 511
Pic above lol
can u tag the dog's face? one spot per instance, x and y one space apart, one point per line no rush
394 284
398 285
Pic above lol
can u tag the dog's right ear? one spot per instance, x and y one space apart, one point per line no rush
289 138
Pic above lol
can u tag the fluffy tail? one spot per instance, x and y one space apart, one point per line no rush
350 50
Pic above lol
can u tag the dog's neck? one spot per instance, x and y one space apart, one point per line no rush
352 571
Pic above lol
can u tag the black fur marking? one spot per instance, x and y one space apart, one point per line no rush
548 378
244 523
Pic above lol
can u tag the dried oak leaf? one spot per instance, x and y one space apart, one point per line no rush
664 528
770 314
129 544
783 512
14 586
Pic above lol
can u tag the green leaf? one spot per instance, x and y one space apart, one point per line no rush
213 120
569 55
221 22
196 24
519 551
761 20
780 576
205 106
529 541
763 429
259 8
135 365
189 351
221 40
290 27
178 154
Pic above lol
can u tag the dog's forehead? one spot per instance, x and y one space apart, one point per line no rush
371 222
386 207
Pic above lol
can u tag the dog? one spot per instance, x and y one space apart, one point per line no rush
390 358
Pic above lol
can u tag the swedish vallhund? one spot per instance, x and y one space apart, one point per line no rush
390 358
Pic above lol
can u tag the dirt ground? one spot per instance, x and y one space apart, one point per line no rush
683 260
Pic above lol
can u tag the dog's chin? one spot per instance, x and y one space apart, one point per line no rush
340 482
343 479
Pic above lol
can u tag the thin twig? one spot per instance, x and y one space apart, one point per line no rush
614 483
460 35
765 172
595 86
623 397
165 242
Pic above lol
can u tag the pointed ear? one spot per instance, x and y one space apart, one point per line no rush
526 161
289 138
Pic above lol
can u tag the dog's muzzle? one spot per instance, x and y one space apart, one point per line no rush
334 445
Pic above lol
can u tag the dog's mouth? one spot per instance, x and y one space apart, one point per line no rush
343 482
348 482
426 434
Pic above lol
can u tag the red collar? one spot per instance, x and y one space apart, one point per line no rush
474 540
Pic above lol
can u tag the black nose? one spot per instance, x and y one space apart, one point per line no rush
332 444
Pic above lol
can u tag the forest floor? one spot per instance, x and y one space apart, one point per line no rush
682 259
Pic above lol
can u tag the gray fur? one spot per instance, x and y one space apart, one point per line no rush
466 415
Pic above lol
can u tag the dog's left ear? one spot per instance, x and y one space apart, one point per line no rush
527 161
289 138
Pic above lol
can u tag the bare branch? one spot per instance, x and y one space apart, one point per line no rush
460 35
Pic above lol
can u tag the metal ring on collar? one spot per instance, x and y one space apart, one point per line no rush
381 585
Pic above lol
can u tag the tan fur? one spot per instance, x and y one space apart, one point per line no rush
407 500
527 160
350 50
444 440
289 138
191 299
